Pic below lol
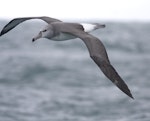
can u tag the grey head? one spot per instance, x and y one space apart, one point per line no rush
47 32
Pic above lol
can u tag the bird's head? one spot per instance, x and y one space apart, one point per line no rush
47 32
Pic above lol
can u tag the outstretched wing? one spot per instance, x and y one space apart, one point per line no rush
13 23
99 55
112 74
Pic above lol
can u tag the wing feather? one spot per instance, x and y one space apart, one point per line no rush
13 23
99 55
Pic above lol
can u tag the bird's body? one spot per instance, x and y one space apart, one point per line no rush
60 31
63 37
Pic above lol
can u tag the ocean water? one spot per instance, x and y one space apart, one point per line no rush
57 81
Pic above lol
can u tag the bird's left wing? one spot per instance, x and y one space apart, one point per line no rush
13 23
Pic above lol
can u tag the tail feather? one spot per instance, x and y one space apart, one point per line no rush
90 27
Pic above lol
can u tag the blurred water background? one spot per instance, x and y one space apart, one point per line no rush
57 81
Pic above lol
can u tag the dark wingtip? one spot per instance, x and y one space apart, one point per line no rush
127 91
130 95
1 33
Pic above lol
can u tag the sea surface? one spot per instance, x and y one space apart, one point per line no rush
58 81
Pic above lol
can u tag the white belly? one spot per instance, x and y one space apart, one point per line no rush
63 36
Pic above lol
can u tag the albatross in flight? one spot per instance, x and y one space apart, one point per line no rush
59 31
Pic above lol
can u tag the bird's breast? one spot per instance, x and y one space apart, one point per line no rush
63 37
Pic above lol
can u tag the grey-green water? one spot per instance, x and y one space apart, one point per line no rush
57 81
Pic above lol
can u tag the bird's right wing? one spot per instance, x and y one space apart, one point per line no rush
13 23
99 55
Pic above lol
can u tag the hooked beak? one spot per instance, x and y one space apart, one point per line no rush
37 37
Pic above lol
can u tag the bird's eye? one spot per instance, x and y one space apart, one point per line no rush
44 30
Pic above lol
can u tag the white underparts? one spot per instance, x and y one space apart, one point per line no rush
63 36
